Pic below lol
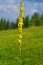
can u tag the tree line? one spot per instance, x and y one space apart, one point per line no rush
35 20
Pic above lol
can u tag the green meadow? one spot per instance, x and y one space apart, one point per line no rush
32 47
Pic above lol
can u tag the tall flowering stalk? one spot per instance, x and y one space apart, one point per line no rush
20 24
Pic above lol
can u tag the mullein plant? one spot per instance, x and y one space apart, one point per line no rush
20 25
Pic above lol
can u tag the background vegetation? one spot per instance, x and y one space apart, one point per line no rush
32 41
32 47
35 20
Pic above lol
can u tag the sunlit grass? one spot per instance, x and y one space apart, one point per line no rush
32 47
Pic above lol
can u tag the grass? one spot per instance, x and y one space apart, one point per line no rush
32 47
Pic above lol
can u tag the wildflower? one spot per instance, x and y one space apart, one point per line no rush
20 22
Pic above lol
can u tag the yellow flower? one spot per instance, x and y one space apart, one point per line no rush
19 36
19 40
22 14
20 19
20 23
19 30
21 8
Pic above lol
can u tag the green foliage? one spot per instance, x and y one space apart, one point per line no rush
7 24
26 21
17 22
41 20
12 25
35 20
32 47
